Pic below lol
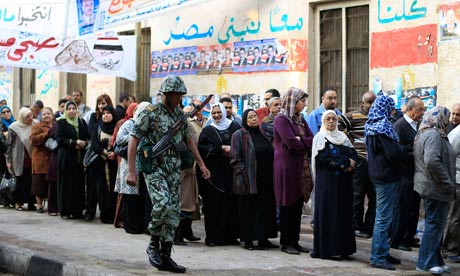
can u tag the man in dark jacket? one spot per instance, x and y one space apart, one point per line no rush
122 105
405 218
352 123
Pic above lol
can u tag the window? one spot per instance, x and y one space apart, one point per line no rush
343 50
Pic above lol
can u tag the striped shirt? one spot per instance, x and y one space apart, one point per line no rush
352 124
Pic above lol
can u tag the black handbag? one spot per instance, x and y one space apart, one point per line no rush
121 150
8 183
90 156
51 144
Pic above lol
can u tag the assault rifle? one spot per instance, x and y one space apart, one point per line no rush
165 142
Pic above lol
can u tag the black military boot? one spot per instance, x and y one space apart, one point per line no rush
166 263
153 251
178 235
187 231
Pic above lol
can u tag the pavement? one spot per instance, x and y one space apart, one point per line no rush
38 244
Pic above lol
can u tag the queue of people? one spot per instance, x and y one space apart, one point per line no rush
251 176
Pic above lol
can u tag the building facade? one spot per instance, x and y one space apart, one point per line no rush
402 47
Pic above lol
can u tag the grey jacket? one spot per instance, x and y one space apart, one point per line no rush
15 153
434 166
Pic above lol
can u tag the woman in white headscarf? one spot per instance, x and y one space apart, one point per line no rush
133 196
18 157
219 205
333 162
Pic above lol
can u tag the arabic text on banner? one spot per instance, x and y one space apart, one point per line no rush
113 56
115 13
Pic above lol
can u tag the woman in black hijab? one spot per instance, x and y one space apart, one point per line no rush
252 162
105 166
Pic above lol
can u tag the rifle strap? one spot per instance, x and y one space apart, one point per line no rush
157 130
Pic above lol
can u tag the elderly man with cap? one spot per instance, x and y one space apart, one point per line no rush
162 174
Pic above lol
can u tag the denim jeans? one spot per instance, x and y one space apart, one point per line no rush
386 196
429 254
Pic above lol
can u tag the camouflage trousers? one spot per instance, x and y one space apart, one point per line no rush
164 194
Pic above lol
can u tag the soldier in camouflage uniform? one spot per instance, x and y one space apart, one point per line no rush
163 173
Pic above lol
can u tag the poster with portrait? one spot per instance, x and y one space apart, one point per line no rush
449 21
202 60
178 61
260 55
157 62
87 11
226 57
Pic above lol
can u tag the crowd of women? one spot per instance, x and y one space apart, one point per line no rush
47 159
258 184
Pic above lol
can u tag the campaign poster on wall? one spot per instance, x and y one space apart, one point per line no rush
214 59
178 61
449 21
260 55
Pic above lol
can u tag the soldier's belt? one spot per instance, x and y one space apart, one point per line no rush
148 153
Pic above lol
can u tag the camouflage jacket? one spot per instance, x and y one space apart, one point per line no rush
154 122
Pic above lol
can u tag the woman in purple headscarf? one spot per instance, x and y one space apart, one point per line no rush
291 170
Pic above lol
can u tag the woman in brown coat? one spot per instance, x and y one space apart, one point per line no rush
40 157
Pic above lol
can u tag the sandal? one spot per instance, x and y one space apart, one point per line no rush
18 207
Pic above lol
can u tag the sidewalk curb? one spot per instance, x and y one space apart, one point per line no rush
28 262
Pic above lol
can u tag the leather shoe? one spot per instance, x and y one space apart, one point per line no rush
392 260
178 241
210 244
385 265
347 257
232 242
453 258
290 249
89 218
192 238
404 248
362 234
266 244
301 248
249 246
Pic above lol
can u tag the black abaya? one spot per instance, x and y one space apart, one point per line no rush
257 213
219 205
333 231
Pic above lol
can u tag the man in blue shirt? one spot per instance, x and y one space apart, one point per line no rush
328 102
